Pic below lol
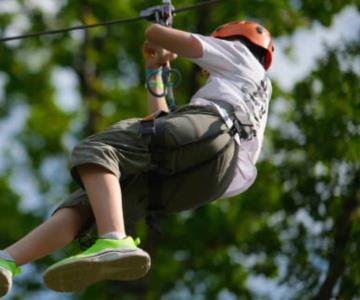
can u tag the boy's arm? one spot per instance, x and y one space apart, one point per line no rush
174 40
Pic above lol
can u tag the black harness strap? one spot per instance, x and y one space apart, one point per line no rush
155 207
147 127
155 179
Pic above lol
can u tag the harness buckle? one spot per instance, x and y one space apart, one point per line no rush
245 131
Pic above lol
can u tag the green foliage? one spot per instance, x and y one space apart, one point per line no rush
13 222
325 116
297 225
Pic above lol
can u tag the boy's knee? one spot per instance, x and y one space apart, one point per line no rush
91 151
88 152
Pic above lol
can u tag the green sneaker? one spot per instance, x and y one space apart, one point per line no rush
8 269
106 259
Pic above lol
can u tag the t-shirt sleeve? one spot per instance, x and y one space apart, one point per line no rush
219 56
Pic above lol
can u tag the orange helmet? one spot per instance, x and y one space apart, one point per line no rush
254 32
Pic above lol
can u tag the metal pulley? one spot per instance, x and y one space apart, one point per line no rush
161 14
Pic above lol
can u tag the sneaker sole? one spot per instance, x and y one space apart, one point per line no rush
5 282
75 275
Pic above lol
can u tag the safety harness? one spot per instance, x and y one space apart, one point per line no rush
153 126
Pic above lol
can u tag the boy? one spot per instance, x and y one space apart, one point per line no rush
172 162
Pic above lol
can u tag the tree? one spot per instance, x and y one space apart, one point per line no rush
215 249
320 175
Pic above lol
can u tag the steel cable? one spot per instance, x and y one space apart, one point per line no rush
105 23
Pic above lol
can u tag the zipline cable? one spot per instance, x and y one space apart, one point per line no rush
105 23
63 30
192 6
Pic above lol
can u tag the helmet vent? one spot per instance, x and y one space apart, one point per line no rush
259 29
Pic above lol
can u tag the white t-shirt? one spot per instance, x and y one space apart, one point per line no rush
238 78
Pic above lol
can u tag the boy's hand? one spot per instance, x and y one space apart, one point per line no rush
155 57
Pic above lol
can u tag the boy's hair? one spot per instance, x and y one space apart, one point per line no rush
257 51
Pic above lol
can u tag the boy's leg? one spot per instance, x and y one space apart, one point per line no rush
108 258
55 233
104 193
50 236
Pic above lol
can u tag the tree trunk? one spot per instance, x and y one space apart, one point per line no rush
342 236
86 71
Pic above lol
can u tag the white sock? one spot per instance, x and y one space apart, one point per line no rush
5 255
114 235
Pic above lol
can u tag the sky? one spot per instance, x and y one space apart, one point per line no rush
308 45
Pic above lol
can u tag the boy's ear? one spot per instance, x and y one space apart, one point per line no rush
205 73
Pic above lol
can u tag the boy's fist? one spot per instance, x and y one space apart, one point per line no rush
155 57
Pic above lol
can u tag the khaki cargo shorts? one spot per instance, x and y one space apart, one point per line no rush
193 151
